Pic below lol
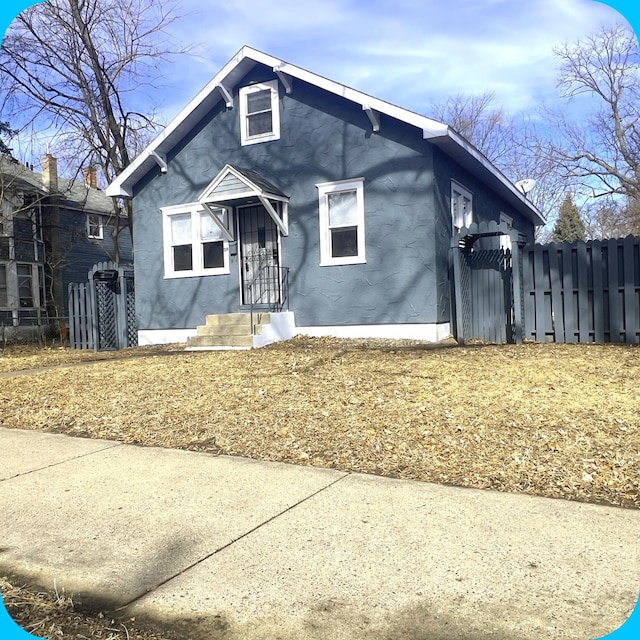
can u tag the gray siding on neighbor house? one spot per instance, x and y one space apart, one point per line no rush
82 253
323 138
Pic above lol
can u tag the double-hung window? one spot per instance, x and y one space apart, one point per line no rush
194 244
341 207
259 113
95 227
25 285
461 207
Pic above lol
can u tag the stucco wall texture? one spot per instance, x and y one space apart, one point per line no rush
324 138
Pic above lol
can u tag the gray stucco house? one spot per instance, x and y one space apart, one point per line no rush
276 188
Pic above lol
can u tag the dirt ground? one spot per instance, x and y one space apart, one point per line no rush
553 420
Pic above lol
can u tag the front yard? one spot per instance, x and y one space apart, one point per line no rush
553 420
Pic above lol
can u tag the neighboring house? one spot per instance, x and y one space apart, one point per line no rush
52 231
272 167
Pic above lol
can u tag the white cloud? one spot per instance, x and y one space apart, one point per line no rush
409 53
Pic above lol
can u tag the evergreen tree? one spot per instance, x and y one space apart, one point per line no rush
569 226
5 134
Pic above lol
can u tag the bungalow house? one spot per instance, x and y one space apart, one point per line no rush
52 231
277 189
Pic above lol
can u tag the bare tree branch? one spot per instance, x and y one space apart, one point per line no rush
75 68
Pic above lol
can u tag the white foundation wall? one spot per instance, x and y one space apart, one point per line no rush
148 337
426 332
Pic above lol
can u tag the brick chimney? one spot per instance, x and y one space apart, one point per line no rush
50 173
90 177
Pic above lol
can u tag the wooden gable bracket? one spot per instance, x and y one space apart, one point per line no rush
286 79
226 95
374 117
280 223
225 232
161 160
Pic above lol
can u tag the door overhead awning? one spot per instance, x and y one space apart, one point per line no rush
234 186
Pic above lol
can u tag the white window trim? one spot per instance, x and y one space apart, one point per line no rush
195 209
325 188
35 286
245 138
100 234
458 190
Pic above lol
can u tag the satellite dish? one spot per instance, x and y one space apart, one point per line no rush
525 185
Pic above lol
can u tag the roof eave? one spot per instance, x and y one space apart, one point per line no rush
481 165
432 130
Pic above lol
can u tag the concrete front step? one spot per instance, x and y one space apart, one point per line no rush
223 330
220 341
236 319
228 331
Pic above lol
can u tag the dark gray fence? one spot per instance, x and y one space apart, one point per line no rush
487 272
102 310
583 292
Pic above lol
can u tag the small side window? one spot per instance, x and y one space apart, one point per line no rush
461 207
25 285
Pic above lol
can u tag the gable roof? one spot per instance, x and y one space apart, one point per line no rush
221 88
234 183
73 194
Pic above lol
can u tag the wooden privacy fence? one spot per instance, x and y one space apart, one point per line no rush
102 310
583 292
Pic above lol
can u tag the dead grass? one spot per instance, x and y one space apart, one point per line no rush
53 615
27 356
554 420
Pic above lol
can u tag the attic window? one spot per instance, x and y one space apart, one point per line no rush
95 227
259 113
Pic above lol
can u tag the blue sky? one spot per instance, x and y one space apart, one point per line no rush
408 52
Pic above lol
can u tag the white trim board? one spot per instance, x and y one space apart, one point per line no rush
427 332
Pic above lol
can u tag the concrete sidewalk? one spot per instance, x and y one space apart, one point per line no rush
220 547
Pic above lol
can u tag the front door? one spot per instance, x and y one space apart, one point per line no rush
259 257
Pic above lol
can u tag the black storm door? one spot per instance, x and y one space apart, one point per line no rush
259 257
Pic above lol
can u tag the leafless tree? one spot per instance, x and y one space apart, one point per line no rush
78 69
485 126
600 74
512 143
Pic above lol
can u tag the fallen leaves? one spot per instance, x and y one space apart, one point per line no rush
554 420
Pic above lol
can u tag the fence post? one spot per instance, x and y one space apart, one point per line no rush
516 277
457 288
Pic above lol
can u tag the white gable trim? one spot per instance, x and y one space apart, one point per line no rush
440 134
252 190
